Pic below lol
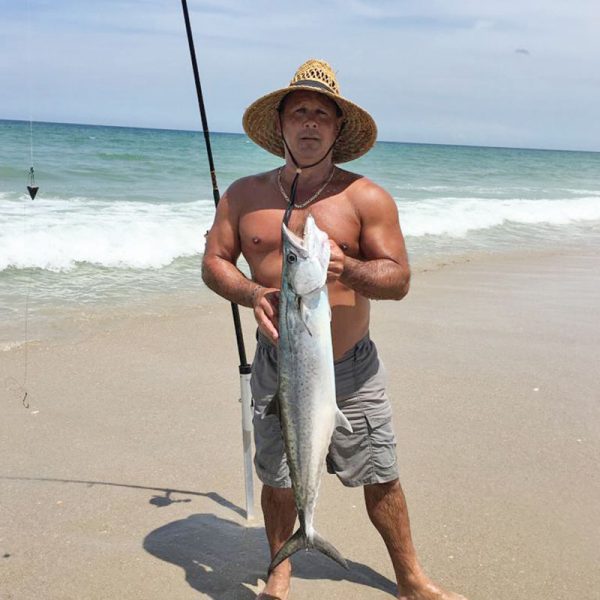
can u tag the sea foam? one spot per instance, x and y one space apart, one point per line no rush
57 234
457 217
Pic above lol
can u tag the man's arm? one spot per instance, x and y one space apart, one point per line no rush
219 270
383 271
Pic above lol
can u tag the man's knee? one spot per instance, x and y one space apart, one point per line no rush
277 495
377 491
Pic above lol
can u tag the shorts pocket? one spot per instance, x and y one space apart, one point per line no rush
382 440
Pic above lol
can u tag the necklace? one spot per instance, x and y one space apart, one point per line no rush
312 198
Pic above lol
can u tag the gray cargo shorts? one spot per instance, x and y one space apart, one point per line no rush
366 456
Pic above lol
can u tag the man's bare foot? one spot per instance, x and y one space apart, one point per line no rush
427 591
278 586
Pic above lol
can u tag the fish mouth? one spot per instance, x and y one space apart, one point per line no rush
301 244
295 240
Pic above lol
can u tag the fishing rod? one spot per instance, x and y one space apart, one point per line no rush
244 367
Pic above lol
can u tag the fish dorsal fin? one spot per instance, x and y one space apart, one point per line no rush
341 422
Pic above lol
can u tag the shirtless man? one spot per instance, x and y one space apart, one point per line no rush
313 127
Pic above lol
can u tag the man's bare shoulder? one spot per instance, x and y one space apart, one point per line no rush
247 186
365 194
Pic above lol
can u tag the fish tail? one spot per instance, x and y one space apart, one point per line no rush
300 541
294 543
322 545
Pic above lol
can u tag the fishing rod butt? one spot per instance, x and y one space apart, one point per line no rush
246 400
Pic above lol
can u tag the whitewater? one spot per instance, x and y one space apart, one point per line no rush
122 212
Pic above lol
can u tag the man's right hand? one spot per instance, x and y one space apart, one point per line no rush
265 304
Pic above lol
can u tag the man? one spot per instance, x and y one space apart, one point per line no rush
313 127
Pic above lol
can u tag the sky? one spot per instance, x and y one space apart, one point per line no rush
517 73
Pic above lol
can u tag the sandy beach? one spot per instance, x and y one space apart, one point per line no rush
123 477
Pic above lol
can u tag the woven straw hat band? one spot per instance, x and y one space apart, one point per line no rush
313 84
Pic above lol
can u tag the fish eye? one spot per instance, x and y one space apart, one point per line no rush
291 258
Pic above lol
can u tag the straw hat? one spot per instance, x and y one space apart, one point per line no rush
359 131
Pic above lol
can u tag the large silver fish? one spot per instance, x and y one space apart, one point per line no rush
305 398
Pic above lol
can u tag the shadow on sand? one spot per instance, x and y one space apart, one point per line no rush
156 500
220 556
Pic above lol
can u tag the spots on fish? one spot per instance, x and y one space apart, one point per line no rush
256 240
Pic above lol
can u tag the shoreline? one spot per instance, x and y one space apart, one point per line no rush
60 322
123 477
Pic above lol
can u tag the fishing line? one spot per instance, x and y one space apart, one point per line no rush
32 190
24 400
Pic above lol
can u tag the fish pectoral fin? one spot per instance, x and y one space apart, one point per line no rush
304 314
273 406
341 422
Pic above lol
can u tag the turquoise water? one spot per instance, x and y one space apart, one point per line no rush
122 212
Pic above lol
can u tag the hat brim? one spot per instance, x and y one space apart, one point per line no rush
357 137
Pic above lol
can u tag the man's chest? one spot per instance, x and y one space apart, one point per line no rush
260 230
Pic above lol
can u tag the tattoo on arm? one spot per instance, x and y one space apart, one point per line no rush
224 278
379 279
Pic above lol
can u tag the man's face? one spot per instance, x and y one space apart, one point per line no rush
310 123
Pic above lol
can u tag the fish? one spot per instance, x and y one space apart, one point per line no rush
305 400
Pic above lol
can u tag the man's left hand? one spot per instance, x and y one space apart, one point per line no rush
337 262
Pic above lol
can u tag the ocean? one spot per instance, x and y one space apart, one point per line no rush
121 212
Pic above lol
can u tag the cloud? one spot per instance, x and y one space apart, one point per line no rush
431 72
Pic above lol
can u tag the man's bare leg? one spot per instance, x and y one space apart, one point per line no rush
387 510
279 510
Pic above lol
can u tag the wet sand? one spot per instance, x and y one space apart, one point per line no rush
123 477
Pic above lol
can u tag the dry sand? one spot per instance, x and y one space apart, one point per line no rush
123 477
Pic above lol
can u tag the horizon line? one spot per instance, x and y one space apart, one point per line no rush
451 145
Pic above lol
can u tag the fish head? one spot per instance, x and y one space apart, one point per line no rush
306 259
